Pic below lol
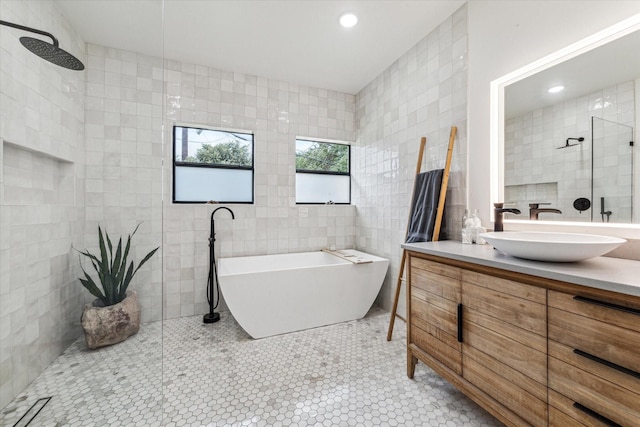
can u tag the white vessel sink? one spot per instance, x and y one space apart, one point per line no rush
549 246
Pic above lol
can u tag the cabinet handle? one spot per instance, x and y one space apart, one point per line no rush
460 322
607 363
597 416
607 305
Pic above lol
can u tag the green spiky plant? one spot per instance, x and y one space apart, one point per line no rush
113 273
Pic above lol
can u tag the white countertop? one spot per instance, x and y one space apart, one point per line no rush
611 274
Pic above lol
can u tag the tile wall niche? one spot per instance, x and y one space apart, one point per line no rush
276 112
536 171
423 93
123 130
41 197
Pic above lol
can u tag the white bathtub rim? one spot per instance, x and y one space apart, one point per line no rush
223 271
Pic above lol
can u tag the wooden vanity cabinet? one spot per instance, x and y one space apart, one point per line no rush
594 359
504 343
532 351
484 334
434 300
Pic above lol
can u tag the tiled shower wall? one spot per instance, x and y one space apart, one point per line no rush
276 112
536 171
423 93
42 200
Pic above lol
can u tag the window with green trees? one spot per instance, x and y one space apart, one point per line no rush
322 172
212 165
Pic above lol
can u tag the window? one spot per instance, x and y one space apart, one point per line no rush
322 172
212 165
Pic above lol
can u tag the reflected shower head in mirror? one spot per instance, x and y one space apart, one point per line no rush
48 51
567 144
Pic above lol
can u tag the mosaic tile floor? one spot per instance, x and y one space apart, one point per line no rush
215 375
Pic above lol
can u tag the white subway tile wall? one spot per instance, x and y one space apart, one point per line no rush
536 171
42 198
423 93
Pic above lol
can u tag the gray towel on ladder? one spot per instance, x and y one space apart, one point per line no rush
424 207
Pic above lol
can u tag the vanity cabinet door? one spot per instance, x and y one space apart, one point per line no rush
594 359
505 343
433 303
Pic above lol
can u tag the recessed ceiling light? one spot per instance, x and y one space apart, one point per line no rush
348 20
556 89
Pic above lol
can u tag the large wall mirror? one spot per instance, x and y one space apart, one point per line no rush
563 132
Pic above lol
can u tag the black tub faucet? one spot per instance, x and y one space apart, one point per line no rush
535 210
498 213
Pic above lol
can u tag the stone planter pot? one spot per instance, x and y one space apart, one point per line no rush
110 325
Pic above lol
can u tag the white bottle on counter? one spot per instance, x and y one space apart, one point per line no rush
477 228
467 237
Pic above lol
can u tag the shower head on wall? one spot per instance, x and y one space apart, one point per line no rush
567 144
48 51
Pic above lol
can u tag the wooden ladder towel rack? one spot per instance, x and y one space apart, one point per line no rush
437 225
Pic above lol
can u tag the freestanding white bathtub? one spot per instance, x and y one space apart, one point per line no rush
275 294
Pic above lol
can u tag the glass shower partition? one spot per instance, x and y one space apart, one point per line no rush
612 171
78 150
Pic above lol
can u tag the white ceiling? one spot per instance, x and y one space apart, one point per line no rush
295 41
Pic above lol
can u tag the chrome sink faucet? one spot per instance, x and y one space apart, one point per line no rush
498 213
535 210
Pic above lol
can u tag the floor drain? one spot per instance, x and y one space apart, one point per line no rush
33 412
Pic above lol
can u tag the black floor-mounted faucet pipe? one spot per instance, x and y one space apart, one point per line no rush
212 282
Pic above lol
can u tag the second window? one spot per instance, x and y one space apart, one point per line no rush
322 172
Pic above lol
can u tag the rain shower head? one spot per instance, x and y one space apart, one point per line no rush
52 53
567 144
48 51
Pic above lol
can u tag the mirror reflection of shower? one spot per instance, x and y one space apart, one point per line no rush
603 212
612 171
571 144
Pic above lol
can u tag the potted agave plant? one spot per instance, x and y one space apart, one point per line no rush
115 314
